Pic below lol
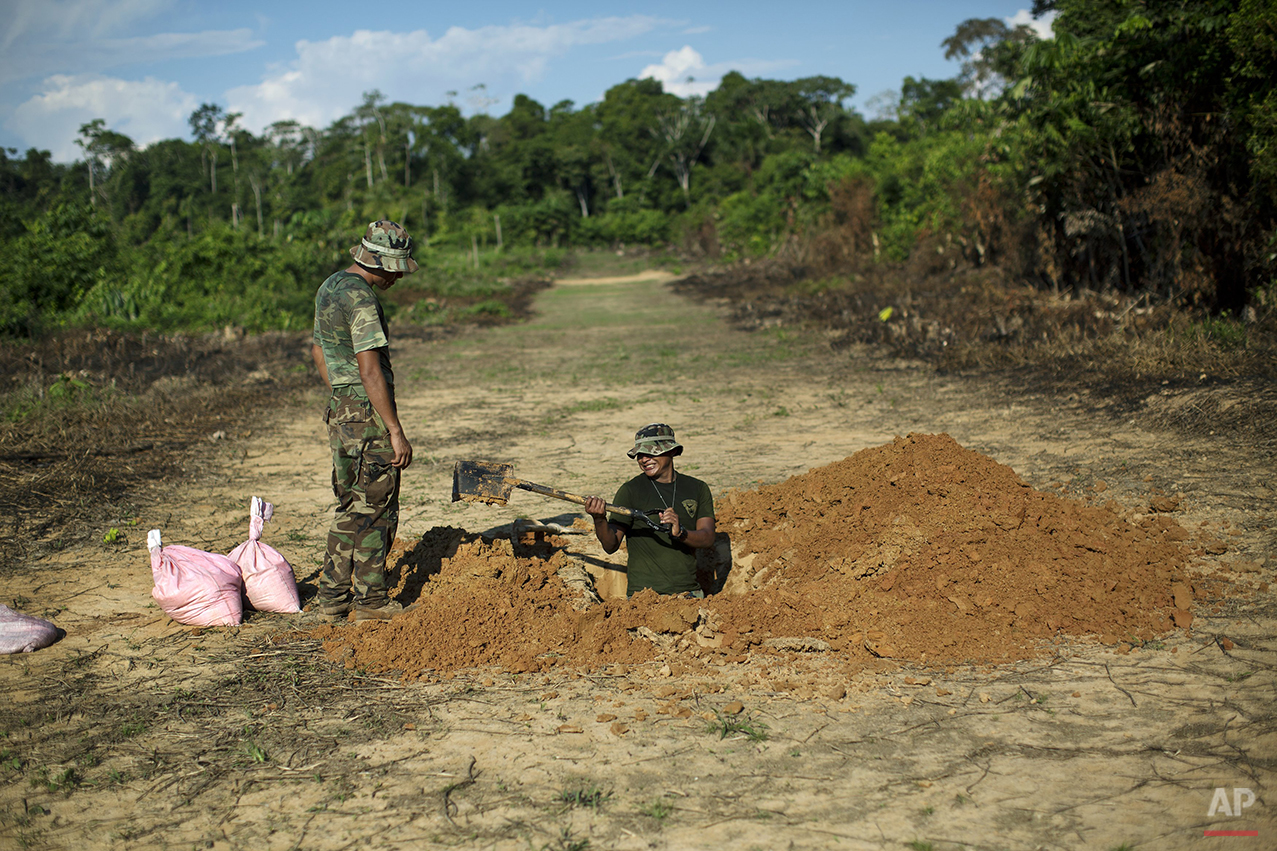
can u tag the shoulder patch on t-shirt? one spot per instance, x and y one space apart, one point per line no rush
689 505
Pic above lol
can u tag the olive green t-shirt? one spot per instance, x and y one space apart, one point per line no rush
655 559
349 320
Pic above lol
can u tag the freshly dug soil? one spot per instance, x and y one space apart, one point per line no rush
918 550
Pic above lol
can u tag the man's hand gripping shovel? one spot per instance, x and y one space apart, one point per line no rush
480 481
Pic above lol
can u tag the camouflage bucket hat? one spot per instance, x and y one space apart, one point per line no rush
655 439
387 246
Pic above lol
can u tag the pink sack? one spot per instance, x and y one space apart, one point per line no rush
268 577
194 587
21 633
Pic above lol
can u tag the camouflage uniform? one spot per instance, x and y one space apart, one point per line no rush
367 489
349 319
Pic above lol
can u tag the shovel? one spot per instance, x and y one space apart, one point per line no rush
479 481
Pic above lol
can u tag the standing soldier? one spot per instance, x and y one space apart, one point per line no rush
351 351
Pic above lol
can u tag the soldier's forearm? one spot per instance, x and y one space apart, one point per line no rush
383 402
700 537
608 535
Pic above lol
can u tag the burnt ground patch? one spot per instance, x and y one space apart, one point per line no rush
1185 369
95 416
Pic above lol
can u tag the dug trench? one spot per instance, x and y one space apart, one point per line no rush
941 601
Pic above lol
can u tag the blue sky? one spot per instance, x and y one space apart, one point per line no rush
144 65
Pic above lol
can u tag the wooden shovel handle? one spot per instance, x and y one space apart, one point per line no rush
580 500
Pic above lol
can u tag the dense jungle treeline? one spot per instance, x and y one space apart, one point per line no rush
1136 152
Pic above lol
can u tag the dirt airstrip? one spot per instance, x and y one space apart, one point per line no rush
938 602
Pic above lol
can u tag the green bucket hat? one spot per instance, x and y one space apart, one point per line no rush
655 439
386 245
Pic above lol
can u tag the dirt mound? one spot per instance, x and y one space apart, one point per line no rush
919 550
485 605
944 553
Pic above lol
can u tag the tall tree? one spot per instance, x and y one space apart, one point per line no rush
972 43
685 132
231 133
750 114
373 132
817 101
206 127
575 151
102 148
629 132
923 102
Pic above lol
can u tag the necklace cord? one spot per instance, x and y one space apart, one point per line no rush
673 493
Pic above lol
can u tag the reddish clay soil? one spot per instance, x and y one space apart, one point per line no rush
918 550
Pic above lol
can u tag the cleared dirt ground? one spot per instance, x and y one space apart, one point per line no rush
135 732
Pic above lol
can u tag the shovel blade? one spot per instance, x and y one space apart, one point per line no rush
479 481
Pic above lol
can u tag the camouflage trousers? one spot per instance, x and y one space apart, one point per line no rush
367 489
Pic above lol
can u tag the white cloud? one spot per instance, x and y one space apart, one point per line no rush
144 110
683 72
328 78
1042 26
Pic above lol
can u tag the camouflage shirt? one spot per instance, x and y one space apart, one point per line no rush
349 320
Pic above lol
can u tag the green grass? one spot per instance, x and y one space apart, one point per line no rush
590 797
565 842
604 263
755 731
657 809
255 752
451 274
132 728
27 835
57 781
1223 332
757 355
65 394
